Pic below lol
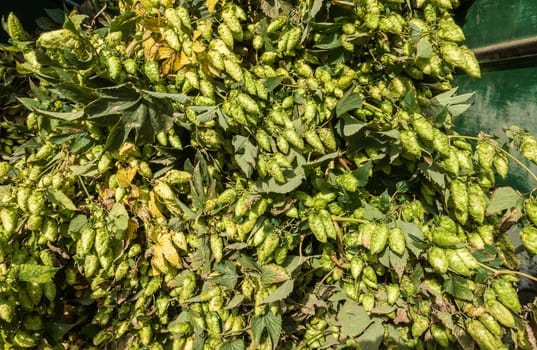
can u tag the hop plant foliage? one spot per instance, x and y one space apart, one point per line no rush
238 174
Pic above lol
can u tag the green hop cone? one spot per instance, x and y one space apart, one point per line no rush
15 29
485 153
528 235
348 181
528 148
438 259
478 203
480 334
507 295
501 313
410 144
444 238
423 128
490 323
379 239
317 227
419 325
459 198
501 164
396 240
531 210
461 261
440 335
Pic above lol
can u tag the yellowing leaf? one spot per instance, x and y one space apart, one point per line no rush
150 48
211 4
210 70
125 176
131 230
152 24
273 273
127 150
198 47
184 60
158 263
154 206
165 51
169 251
176 64
196 34
168 65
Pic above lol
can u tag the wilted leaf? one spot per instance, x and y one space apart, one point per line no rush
458 287
401 316
78 223
329 42
237 344
59 198
458 109
68 116
57 330
351 125
158 262
372 213
280 293
228 275
372 336
34 273
234 302
383 309
119 218
503 198
315 8
75 93
273 273
292 262
353 319
347 103
415 33
424 48
294 179
245 154
272 83
273 325
398 262
446 319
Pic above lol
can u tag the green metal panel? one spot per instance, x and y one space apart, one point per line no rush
506 94
493 21
502 98
503 34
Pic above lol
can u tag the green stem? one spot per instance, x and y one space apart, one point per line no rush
305 342
342 219
343 3
84 187
371 107
339 234
508 272
515 159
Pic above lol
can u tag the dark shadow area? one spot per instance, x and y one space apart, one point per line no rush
462 10
27 12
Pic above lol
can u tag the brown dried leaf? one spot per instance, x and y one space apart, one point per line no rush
401 317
